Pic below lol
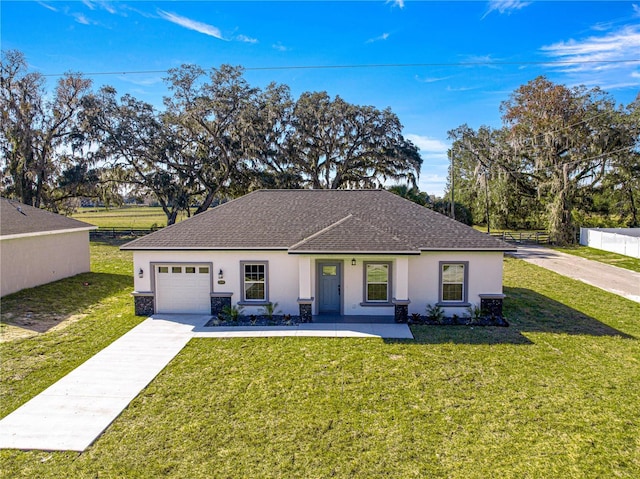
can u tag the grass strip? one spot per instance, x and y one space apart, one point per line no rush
614 259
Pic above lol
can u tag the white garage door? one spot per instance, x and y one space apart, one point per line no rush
183 288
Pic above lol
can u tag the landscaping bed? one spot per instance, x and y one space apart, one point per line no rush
255 320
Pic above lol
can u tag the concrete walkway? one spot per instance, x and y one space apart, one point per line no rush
73 412
622 282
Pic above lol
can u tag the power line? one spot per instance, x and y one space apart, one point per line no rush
373 65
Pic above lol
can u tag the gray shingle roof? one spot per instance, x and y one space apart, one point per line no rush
306 221
19 219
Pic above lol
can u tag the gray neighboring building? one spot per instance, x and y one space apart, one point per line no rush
37 246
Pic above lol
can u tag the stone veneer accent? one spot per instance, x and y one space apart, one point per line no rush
305 311
491 305
401 313
143 304
219 301
401 310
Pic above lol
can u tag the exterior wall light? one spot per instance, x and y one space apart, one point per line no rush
353 262
141 273
220 274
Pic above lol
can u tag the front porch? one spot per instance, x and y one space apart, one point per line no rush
352 319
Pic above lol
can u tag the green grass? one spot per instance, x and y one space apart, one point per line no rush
99 302
554 395
607 257
141 217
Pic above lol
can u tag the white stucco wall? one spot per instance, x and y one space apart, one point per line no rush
485 277
30 261
282 271
416 276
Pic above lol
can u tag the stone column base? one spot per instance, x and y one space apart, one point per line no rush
491 305
401 310
143 303
219 301
304 306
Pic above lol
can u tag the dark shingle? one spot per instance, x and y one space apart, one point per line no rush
18 219
320 221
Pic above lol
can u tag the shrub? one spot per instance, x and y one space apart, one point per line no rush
232 313
269 310
435 313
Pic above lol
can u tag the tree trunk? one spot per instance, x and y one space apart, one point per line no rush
634 209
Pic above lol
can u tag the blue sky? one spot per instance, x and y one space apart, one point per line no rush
465 57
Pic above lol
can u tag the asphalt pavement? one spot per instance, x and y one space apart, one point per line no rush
622 282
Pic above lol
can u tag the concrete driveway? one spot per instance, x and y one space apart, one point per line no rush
622 282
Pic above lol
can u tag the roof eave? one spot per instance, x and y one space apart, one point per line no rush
48 232
201 248
480 249
355 252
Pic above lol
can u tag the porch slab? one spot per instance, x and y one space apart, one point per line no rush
350 319
325 330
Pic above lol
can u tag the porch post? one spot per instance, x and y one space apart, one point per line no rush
305 298
401 287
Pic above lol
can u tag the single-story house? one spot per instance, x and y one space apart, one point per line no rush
37 246
315 252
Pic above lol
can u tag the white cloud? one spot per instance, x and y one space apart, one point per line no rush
382 37
92 5
149 81
190 24
460 88
246 39
431 79
505 6
599 59
636 9
623 44
48 7
82 19
433 174
396 3
435 181
428 145
280 47
108 7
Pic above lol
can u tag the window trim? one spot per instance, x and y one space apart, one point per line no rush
385 302
243 299
465 284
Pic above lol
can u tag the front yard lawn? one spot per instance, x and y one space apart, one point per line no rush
554 395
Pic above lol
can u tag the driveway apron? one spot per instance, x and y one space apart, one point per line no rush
616 280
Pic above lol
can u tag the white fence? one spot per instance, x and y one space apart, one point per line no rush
624 241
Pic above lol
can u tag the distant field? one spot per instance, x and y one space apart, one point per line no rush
125 217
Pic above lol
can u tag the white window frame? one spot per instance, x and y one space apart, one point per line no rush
463 301
243 283
366 283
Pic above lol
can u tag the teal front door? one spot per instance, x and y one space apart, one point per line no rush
329 287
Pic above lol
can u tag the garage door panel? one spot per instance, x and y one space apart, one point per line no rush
183 288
